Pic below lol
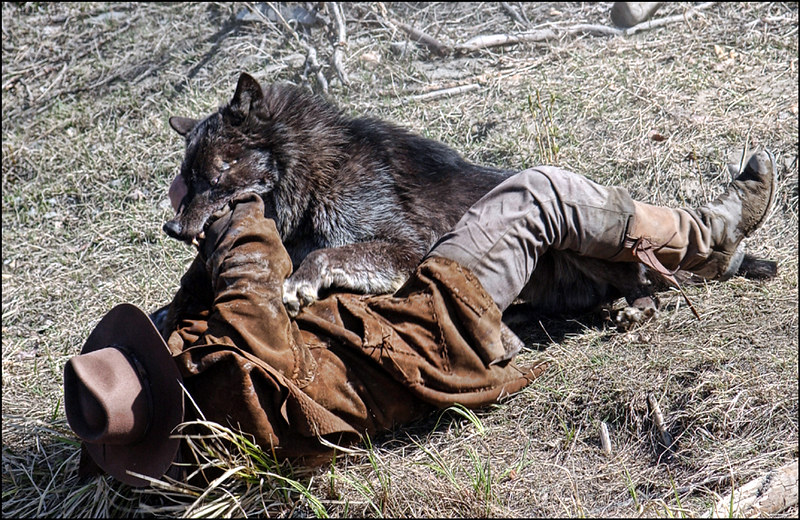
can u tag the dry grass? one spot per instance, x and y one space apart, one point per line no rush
88 156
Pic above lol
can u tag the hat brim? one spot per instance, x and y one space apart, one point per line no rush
128 327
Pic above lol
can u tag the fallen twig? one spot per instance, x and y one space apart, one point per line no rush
444 92
341 42
766 495
605 440
494 40
280 17
512 13
418 36
313 65
600 30
658 418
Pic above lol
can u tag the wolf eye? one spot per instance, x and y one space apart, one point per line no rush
215 180
227 165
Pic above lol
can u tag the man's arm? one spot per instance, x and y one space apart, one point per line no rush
245 265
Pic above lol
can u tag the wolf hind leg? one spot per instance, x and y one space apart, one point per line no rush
565 283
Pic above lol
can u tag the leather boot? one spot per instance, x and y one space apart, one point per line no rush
706 240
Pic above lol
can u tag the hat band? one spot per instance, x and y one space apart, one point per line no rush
144 378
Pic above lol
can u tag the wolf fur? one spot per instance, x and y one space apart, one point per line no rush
358 201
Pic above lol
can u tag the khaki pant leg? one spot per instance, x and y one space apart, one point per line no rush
502 236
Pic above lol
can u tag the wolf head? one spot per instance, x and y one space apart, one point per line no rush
252 144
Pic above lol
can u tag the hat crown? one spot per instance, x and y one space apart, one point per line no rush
109 405
123 396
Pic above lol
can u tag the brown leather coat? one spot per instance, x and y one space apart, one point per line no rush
348 364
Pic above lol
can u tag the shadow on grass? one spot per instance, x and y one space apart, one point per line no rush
538 331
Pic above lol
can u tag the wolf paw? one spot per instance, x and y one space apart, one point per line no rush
298 294
637 313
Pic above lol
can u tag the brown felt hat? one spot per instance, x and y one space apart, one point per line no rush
123 398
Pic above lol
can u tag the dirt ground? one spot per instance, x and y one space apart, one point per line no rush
87 158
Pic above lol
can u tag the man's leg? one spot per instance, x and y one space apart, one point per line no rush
501 237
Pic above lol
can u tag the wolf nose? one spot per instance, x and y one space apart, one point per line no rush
173 229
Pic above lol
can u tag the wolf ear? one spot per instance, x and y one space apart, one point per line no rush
182 125
248 92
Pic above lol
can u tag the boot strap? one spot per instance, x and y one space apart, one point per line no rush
645 251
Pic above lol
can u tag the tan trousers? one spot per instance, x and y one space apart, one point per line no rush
502 236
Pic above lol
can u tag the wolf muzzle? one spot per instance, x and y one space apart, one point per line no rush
173 229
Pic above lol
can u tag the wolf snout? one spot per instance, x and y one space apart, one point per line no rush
173 229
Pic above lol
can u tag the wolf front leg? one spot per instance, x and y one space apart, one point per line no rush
367 267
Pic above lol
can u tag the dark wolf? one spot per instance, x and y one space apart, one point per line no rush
359 201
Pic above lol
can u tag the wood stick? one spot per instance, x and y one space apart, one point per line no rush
605 440
766 495
418 36
600 30
658 418
341 43
494 40
512 13
313 64
277 12
444 92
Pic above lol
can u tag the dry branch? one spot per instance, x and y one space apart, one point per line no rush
278 14
444 92
512 13
605 440
599 30
766 495
658 419
313 65
418 36
341 42
494 40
